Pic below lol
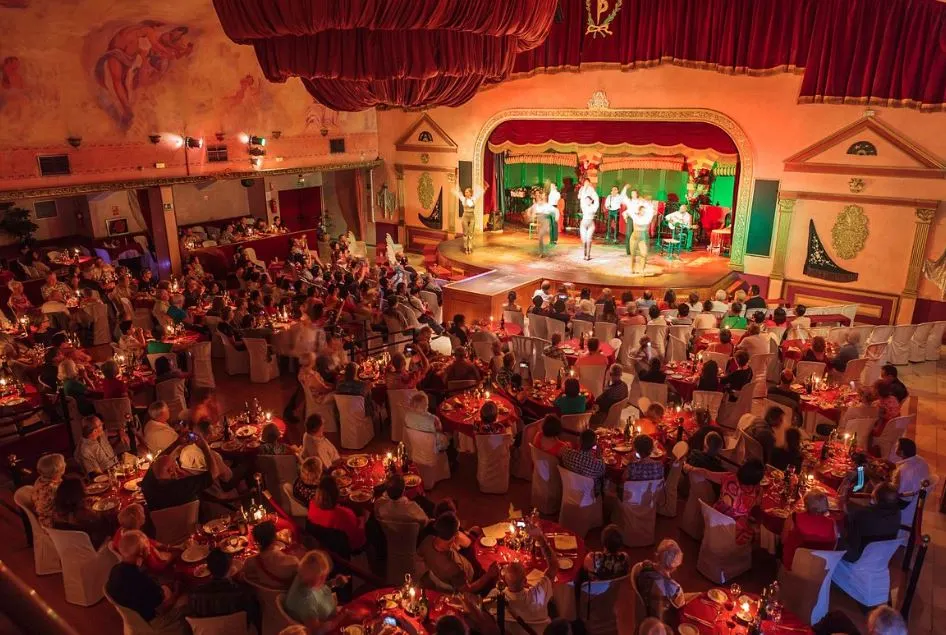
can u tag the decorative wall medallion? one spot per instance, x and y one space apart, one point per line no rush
599 23
425 190
599 101
424 158
863 148
451 177
856 185
425 137
850 231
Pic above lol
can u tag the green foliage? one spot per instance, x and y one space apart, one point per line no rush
16 222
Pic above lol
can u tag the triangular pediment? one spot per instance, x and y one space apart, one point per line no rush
425 136
868 147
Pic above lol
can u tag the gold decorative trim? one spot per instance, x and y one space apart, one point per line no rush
860 200
406 140
850 231
925 215
924 218
229 175
422 168
728 125
786 207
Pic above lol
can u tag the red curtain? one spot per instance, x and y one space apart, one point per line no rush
364 53
890 53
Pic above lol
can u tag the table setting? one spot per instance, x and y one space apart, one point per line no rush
796 349
241 432
121 486
684 377
616 449
509 541
541 395
704 341
461 413
578 347
405 610
357 475
722 611
501 328
783 494
828 400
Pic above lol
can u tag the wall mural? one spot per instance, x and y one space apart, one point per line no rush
850 231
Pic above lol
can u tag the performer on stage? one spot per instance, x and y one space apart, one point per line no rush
614 204
630 204
544 214
553 198
468 198
639 215
590 204
679 223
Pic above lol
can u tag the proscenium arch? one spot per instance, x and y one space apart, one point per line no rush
714 117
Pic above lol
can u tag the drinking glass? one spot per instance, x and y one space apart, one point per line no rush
735 591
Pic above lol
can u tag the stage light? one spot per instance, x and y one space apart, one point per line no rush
177 141
193 143
256 161
220 137
257 141
154 138
75 142
243 137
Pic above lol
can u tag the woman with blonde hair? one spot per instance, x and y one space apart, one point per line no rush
310 600
132 518
312 380
18 302
50 468
663 596
307 483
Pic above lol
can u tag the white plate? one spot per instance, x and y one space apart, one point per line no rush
96 488
104 504
101 478
688 629
565 564
233 544
487 541
133 485
195 553
201 571
216 525
717 596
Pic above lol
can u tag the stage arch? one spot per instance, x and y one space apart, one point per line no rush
716 118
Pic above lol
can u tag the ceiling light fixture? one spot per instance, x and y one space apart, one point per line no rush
193 143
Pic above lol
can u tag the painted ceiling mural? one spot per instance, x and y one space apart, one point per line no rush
117 71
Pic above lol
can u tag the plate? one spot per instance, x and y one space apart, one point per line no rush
360 495
565 563
246 431
195 553
101 478
343 481
231 445
764 482
717 596
233 544
339 472
412 480
216 525
14 401
201 571
486 541
688 629
216 445
354 629
144 466
133 485
676 376
357 461
621 447
104 504
344 492
97 488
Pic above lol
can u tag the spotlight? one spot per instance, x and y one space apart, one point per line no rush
256 161
219 136
243 137
256 151
277 134
193 143
75 142
154 138
301 180
257 141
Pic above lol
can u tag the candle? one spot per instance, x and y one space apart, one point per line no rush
810 478
148 456
412 592
638 429
512 528
847 437
745 608
269 416
487 394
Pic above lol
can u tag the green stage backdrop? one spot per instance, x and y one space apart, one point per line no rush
653 183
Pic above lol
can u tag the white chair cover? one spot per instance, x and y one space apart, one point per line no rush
804 370
357 429
837 335
709 399
402 550
295 508
276 469
667 504
100 331
919 341
250 254
731 411
868 579
760 364
45 557
630 341
597 605
171 392
636 513
550 367
657 393
398 401
676 347
721 559
721 359
592 377
203 370
581 326
887 441
216 338
934 341
876 356
84 570
899 351
325 408
860 426
430 298
483 350
613 417
237 362
807 587
134 624
113 412
631 611
581 510
173 525
658 336
522 465
432 465
262 368
538 326
233 624
274 618
854 371
492 462
605 331
576 423
880 334
546 481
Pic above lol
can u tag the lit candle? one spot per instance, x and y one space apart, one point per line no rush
810 478
491 320
412 592
638 429
148 456
487 394
512 528
571 373
269 416
745 608
847 437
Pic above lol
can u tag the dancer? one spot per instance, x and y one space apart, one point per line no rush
590 204
639 214
614 204
553 198
468 198
544 216
630 203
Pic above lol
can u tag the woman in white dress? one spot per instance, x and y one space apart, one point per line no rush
544 215
589 202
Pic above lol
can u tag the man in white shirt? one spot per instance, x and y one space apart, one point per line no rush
530 603
719 304
545 291
315 444
395 507
94 453
417 417
800 321
755 342
911 469
158 433
706 319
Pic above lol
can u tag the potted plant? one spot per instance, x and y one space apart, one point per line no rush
16 222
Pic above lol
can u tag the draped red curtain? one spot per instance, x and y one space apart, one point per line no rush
359 54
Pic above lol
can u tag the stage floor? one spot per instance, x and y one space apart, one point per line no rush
514 252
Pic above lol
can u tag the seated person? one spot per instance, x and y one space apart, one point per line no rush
889 409
94 453
755 342
584 460
800 321
271 567
272 441
315 444
782 392
614 392
663 596
50 468
394 506
325 511
817 351
74 385
113 387
459 330
706 319
511 304
739 495
548 438
70 512
611 561
766 431
130 587
888 375
724 345
790 454
848 352
594 357
879 520
132 518
419 417
571 401
462 369
709 377
158 432
554 349
734 319
507 371
223 595
529 603
440 552
307 483
132 342
708 457
644 468
741 376
810 529
310 600
654 373
167 484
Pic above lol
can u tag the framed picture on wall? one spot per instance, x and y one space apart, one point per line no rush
117 226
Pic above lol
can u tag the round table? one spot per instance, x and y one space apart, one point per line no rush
839 464
461 413
540 398
710 617
184 341
13 402
245 437
122 492
358 475
556 534
829 401
796 349
704 341
509 329
370 606
775 509
573 352
684 378
142 378
617 454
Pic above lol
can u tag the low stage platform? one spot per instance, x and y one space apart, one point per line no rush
510 261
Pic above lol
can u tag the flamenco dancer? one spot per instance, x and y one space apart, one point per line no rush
590 204
543 213
554 197
468 198
615 203
639 213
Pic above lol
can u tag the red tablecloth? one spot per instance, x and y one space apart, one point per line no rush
711 618
610 441
775 508
541 397
829 402
711 217
461 413
703 341
572 352
500 554
28 400
243 444
684 379
796 349
509 329
367 608
184 341
359 473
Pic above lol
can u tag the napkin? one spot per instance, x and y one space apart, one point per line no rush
514 514
534 577
566 543
496 531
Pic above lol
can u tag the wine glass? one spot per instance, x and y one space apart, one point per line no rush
735 591
775 612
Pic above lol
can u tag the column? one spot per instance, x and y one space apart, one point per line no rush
164 230
924 218
786 207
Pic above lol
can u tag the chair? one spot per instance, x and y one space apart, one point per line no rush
630 341
853 371
887 441
598 602
658 336
592 377
274 616
550 367
202 362
868 579
899 350
538 326
173 525
667 505
805 370
880 334
605 331
546 481
613 417
636 513
709 399
837 335
171 392
523 348
295 508
919 341
492 462
402 550
459 385
134 624
581 327
637 605
581 509
760 364
935 341
326 409
250 254
432 465
721 359
357 429
515 317
701 490
216 338
430 299
808 585
234 624
276 469
114 413
45 557
154 357
657 393
483 350
84 569
398 401
576 423
677 344
237 362
99 314
264 366
393 248
721 558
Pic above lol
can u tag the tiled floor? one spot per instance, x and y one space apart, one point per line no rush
927 381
